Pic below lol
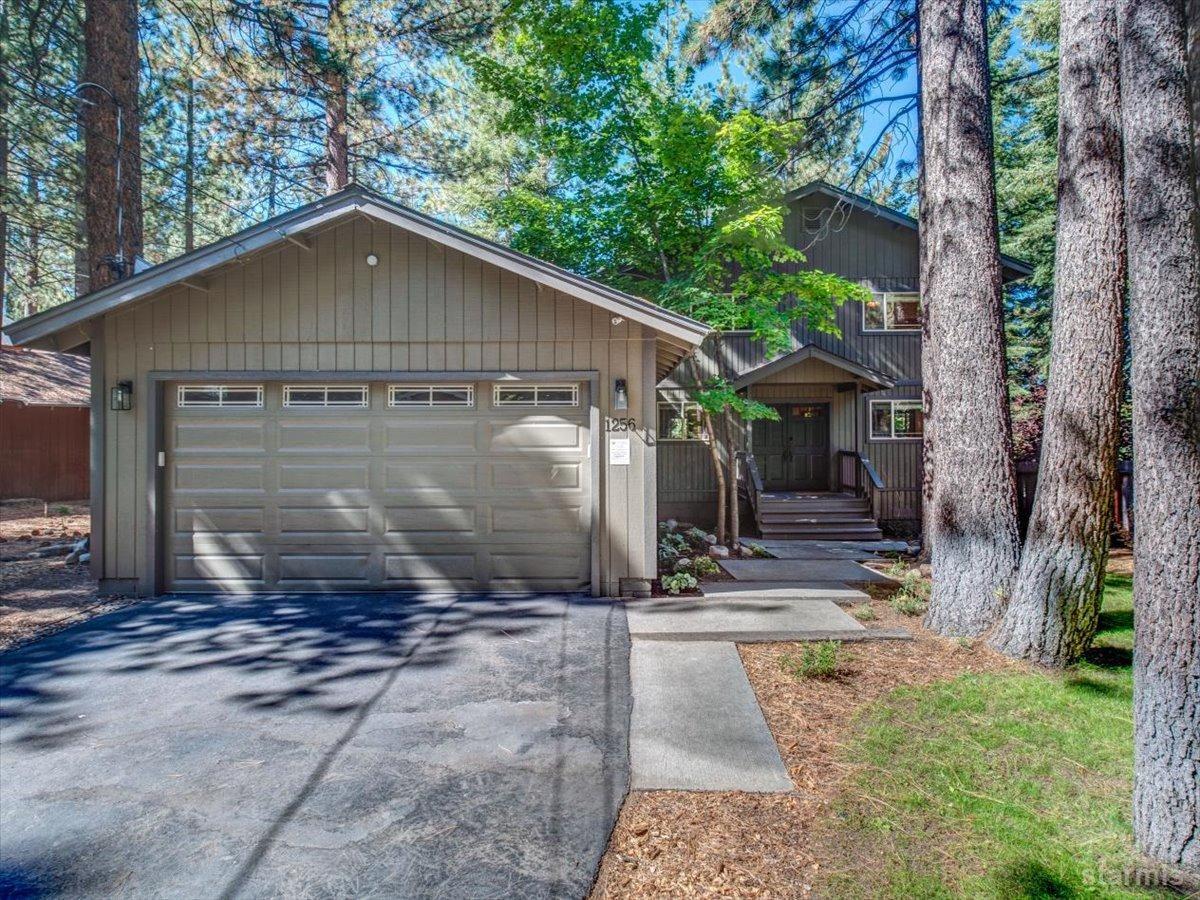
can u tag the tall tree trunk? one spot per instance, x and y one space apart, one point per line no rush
714 450
1055 605
973 519
33 274
1162 223
337 103
4 30
189 165
110 34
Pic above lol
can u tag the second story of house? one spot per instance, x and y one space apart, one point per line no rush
849 235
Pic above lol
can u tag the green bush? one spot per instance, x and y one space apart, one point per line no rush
705 565
759 551
679 582
818 660
906 604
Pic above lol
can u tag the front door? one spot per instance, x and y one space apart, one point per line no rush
793 453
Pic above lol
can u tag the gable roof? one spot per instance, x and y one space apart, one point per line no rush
43 378
1013 268
291 226
877 380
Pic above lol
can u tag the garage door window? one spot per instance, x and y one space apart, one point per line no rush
219 395
426 395
536 395
325 395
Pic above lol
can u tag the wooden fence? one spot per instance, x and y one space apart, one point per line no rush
1027 473
44 451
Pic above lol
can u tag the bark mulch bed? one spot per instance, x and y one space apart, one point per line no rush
41 596
747 845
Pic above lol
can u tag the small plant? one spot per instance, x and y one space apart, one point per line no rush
759 550
705 565
63 510
863 613
897 569
696 537
679 582
965 643
818 660
915 586
906 604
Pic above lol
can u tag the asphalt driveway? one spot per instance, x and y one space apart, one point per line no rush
314 746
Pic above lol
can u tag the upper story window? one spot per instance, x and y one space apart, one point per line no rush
896 419
325 395
221 395
424 395
536 395
680 420
892 312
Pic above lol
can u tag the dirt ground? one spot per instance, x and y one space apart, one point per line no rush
693 844
38 596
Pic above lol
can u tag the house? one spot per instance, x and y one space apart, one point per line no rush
44 424
849 403
353 396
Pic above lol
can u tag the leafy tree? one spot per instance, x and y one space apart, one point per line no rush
629 173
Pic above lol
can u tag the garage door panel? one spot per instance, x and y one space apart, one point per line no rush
324 476
223 437
324 436
325 519
377 498
215 477
400 520
203 520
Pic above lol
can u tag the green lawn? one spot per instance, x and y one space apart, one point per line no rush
998 785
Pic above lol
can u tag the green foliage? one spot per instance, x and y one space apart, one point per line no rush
671 546
817 660
864 613
998 786
759 551
679 582
704 566
632 175
912 599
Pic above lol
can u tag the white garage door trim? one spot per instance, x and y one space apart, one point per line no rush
156 531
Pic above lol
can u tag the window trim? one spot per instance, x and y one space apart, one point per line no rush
429 403
221 389
680 406
885 297
536 401
892 404
286 403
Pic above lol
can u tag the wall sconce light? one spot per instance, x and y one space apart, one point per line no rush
372 259
121 396
620 394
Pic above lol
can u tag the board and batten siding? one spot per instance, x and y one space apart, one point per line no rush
324 309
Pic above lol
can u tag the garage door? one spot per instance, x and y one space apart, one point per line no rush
346 487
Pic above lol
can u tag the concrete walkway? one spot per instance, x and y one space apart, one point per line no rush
840 570
741 619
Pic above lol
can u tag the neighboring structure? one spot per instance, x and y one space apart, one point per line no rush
44 424
354 396
849 404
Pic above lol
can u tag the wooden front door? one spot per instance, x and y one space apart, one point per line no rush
793 453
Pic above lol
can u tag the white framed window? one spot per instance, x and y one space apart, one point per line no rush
535 395
897 420
426 395
299 396
245 396
900 311
680 420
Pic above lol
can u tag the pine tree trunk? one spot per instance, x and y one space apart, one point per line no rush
1162 222
33 274
111 60
189 166
1055 606
4 26
973 514
734 513
337 105
714 450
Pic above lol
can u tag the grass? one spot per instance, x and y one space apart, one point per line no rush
1002 786
819 660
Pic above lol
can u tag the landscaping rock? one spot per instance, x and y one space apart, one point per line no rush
717 551
683 564
710 539
52 550
77 551
671 524
926 570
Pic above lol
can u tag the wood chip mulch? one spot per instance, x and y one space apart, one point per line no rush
696 844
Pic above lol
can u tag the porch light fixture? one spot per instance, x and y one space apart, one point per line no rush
620 394
372 259
121 396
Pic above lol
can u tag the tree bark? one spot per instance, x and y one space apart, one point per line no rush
337 104
734 513
4 28
1055 606
714 450
973 517
1162 224
189 165
111 60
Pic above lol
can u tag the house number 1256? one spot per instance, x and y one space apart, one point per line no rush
620 424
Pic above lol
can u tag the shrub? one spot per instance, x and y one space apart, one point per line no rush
906 604
863 613
818 660
760 551
705 565
679 582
